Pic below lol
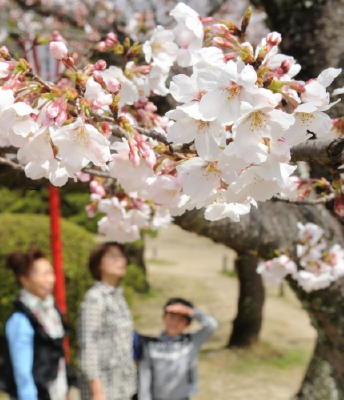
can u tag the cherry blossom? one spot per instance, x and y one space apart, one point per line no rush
58 50
188 33
4 70
161 48
226 88
276 269
15 120
79 144
316 266
114 78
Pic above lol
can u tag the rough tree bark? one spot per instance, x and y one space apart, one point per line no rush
274 226
248 321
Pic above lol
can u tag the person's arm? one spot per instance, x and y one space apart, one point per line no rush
89 331
19 334
209 325
145 376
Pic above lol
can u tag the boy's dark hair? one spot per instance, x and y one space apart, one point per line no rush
179 300
98 253
21 263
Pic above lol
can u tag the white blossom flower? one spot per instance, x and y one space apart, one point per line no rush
38 158
79 144
199 180
226 88
209 136
133 178
15 120
310 282
156 80
161 47
120 224
275 270
128 91
188 33
58 50
164 190
161 218
217 211
4 70
96 94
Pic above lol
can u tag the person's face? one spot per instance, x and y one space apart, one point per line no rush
113 263
40 280
175 324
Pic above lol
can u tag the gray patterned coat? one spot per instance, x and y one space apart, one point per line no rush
105 339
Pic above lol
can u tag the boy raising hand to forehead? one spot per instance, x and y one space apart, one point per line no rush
168 367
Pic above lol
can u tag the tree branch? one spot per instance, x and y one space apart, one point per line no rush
323 152
320 200
10 163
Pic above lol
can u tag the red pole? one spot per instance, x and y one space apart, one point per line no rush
56 248
56 251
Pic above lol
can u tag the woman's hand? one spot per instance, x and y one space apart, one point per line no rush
97 390
99 396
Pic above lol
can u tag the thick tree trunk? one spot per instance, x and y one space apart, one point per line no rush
318 383
324 378
248 321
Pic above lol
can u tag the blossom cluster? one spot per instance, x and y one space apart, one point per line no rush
224 147
316 266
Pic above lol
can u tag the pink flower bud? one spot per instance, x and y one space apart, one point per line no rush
56 36
100 191
114 85
98 77
133 153
95 197
93 185
106 129
53 110
274 38
58 50
97 188
100 65
69 62
83 177
285 65
4 52
62 117
101 46
109 43
112 36
150 107
146 150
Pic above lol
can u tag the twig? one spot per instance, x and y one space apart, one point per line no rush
12 164
320 200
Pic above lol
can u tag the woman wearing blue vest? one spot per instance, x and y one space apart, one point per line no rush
34 332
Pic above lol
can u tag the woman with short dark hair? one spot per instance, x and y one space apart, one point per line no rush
34 332
105 329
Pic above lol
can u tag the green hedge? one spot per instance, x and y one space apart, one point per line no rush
21 231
